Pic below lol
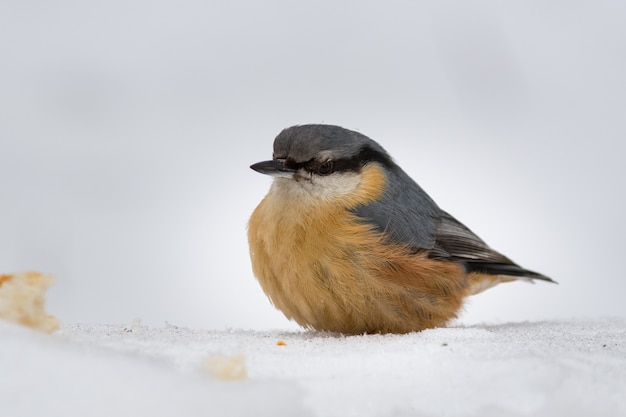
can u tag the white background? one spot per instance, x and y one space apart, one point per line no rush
127 129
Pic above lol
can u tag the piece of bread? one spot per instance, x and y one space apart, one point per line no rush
22 300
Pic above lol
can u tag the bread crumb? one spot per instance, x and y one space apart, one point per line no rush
227 367
22 300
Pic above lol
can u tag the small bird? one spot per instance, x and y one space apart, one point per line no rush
345 241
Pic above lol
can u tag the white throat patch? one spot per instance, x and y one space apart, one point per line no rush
312 188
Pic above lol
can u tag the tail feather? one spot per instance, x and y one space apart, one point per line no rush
484 275
508 270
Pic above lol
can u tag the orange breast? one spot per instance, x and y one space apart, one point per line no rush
327 270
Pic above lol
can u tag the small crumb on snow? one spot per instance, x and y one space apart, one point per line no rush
227 367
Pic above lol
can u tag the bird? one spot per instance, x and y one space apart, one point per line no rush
345 241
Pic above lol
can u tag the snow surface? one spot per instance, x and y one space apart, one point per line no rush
573 368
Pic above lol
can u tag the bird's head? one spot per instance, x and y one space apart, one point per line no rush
324 162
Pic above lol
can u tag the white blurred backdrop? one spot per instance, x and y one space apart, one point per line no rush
127 129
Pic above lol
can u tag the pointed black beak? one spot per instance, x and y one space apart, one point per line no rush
274 167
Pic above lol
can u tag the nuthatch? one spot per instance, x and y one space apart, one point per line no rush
345 241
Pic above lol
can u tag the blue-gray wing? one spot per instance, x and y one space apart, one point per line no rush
404 213
409 217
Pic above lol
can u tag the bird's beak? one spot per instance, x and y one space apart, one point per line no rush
274 167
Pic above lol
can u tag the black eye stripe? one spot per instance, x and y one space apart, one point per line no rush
291 164
354 163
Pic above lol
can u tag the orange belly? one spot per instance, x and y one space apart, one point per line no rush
328 271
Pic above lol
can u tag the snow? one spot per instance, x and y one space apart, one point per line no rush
573 368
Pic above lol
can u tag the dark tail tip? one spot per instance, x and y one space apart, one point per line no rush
509 270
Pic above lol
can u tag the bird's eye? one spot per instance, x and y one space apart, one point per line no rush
326 168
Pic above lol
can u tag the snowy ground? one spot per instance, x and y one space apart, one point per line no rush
574 368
